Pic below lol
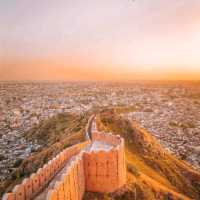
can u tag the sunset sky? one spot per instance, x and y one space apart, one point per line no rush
99 39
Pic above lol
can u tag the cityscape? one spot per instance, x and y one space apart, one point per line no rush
169 111
100 100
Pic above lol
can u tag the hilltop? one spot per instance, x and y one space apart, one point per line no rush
153 173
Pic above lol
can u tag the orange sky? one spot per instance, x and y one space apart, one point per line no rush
100 40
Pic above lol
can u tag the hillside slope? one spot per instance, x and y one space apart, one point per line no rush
152 172
54 135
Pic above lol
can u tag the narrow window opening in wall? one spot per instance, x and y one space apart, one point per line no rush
96 169
107 163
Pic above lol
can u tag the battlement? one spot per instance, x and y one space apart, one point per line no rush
105 169
97 165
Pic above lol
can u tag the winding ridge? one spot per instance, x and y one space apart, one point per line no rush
97 165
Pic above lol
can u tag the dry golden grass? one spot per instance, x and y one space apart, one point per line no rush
152 172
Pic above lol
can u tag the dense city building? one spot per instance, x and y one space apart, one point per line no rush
171 112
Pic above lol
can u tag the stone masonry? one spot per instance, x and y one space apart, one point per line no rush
97 165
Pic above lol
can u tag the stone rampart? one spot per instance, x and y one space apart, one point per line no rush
88 127
105 170
72 183
33 185
97 165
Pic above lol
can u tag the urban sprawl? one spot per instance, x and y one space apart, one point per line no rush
169 111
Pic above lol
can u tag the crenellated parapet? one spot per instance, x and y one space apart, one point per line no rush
105 170
72 182
35 184
97 165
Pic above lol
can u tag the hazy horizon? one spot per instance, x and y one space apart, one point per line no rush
100 40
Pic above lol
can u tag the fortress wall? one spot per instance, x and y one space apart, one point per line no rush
72 184
31 186
121 164
106 138
105 171
101 171
89 127
96 171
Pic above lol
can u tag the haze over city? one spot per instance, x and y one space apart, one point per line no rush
100 40
100 100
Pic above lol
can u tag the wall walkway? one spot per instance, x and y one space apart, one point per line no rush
97 165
